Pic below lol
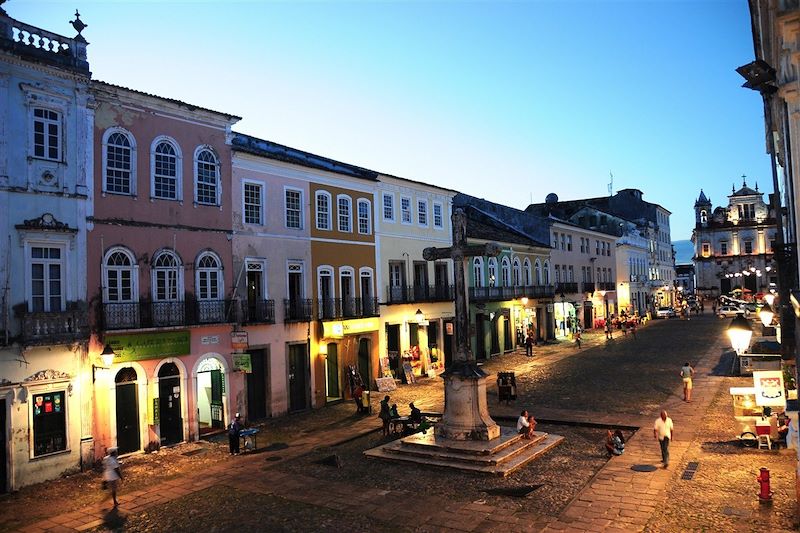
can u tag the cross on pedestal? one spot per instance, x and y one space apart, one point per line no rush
466 415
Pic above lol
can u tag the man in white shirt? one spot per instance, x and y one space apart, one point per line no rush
522 423
662 431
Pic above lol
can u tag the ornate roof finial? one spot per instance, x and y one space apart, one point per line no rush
79 26
744 180
733 188
756 185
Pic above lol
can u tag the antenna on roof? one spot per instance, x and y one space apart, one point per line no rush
611 184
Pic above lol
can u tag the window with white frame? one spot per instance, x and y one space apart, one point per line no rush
515 273
207 179
167 280
323 204
405 210
505 272
422 212
526 268
253 202
46 271
558 273
546 273
492 271
46 134
209 277
438 219
388 207
569 243
364 217
344 213
119 276
293 204
538 269
119 162
165 165
477 272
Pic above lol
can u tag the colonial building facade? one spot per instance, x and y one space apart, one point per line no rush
734 244
45 196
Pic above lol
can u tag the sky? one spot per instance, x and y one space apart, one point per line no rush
507 101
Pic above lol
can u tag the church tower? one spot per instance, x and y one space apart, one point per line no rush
702 210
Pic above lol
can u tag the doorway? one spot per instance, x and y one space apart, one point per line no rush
393 348
298 377
210 392
494 324
169 404
258 385
507 342
587 315
332 389
128 437
363 362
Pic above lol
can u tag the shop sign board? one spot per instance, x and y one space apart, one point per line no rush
242 363
448 328
209 339
338 329
239 340
769 388
143 346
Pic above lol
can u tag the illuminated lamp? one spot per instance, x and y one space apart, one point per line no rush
766 314
740 332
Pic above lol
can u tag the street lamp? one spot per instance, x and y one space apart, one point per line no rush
740 333
765 314
108 359
769 298
420 315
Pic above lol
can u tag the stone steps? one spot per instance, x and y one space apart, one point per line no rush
500 456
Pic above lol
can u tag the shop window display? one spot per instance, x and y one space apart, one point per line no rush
49 423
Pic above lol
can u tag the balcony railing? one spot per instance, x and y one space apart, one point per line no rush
338 308
258 312
606 285
58 326
566 287
511 292
419 293
587 286
132 315
298 310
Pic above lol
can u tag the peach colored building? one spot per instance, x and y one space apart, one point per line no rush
160 272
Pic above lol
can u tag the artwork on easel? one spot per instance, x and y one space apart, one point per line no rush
386 371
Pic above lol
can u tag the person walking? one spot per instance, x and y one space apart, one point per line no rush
633 329
578 337
687 372
529 345
234 429
609 334
663 431
111 473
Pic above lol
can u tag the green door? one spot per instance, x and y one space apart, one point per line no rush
332 371
216 399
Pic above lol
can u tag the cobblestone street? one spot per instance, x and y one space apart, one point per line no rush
623 382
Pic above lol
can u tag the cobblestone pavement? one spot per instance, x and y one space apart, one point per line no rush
625 381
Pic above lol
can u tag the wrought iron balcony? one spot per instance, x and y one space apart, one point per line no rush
566 287
587 286
258 312
338 308
133 315
64 326
606 286
298 310
419 293
510 292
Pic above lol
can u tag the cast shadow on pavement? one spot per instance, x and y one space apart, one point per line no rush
113 520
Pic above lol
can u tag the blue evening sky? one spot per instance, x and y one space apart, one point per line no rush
507 101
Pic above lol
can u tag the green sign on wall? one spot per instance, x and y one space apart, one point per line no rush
242 363
149 345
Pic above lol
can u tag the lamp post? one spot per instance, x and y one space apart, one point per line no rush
759 76
108 359
740 332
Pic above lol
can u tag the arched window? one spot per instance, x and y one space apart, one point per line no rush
526 267
546 273
538 269
492 271
505 272
209 277
344 212
119 162
323 201
477 271
167 277
206 177
515 273
120 279
703 216
165 165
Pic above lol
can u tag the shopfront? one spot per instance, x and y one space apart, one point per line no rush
565 315
347 356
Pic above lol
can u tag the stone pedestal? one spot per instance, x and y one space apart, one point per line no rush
466 413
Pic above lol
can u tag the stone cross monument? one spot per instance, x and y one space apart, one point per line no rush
466 414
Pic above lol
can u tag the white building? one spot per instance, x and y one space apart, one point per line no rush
45 197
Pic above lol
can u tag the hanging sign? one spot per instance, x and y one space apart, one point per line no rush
242 363
239 340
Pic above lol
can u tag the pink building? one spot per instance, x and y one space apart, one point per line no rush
160 274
